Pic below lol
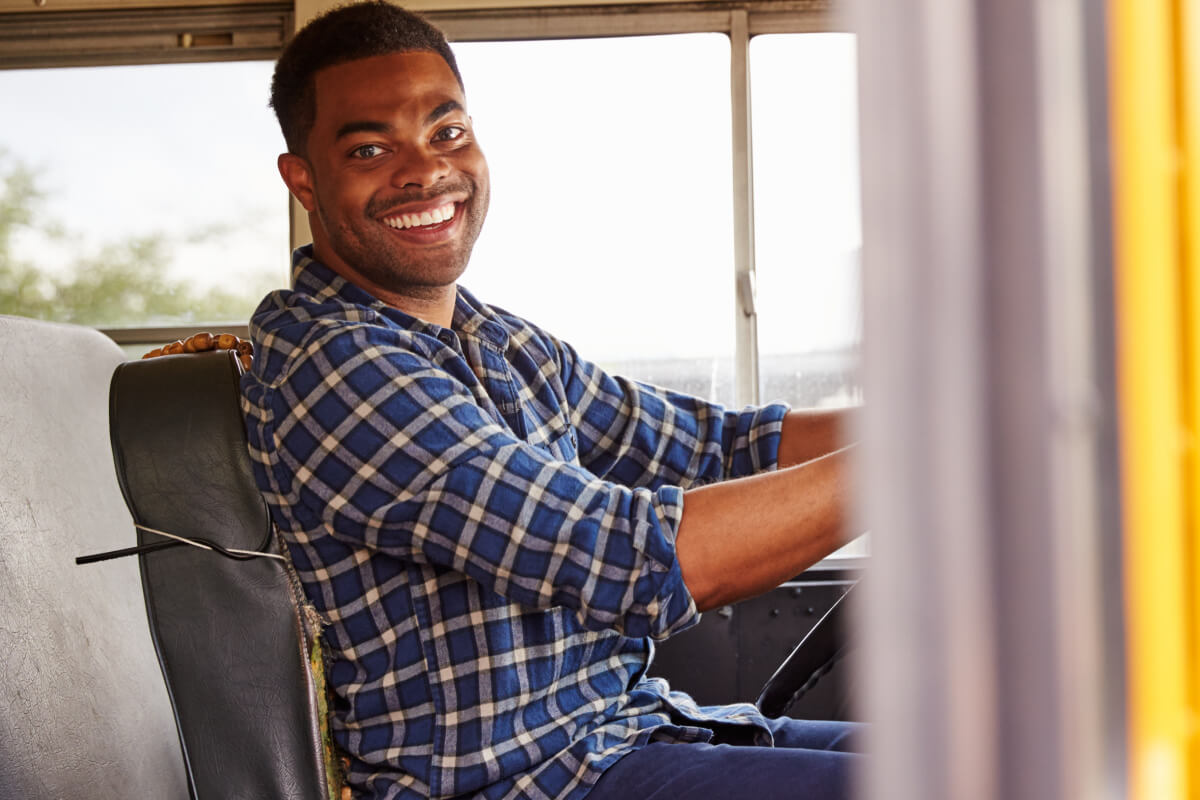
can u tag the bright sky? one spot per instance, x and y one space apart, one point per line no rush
610 175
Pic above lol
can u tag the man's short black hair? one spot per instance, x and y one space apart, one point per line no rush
345 33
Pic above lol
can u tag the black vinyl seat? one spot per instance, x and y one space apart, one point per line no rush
238 647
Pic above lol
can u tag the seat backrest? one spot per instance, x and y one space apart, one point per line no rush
233 637
83 711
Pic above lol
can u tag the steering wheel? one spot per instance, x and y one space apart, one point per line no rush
816 654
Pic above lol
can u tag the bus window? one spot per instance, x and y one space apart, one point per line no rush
140 195
610 218
806 217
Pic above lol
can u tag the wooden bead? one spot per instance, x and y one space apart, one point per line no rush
198 343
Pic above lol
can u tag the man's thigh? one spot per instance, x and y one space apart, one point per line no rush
844 737
809 762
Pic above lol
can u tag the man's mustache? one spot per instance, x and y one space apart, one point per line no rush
380 203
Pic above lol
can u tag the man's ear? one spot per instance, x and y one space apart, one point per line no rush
297 174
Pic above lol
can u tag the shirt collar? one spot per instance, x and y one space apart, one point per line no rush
471 317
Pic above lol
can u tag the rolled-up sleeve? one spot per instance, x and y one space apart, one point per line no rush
642 435
394 453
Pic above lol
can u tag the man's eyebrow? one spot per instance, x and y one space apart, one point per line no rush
372 126
362 126
442 110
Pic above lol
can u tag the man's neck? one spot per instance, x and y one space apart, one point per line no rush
437 310
434 304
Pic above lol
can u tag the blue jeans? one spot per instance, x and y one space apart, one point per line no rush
810 761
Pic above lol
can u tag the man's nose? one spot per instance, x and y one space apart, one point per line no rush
420 166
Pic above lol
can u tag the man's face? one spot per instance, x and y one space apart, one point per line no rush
395 183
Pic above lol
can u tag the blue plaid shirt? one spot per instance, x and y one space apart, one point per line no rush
486 522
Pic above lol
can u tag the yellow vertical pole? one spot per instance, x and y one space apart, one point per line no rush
1188 99
1147 91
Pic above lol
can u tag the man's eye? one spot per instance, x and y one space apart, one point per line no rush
367 151
449 133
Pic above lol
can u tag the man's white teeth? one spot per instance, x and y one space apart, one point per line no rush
433 217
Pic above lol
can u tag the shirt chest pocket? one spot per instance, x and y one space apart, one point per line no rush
555 437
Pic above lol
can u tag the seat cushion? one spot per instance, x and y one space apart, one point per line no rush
83 708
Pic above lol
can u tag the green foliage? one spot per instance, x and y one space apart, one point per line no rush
17 199
124 283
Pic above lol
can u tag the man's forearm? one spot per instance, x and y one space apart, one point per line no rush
740 538
811 433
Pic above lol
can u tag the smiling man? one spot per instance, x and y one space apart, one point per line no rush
492 528
393 179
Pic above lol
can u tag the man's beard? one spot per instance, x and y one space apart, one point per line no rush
371 250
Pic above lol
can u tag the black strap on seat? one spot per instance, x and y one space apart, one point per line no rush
232 636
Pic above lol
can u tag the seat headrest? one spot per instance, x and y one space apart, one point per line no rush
180 449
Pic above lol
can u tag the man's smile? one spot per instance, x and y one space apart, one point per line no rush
421 219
